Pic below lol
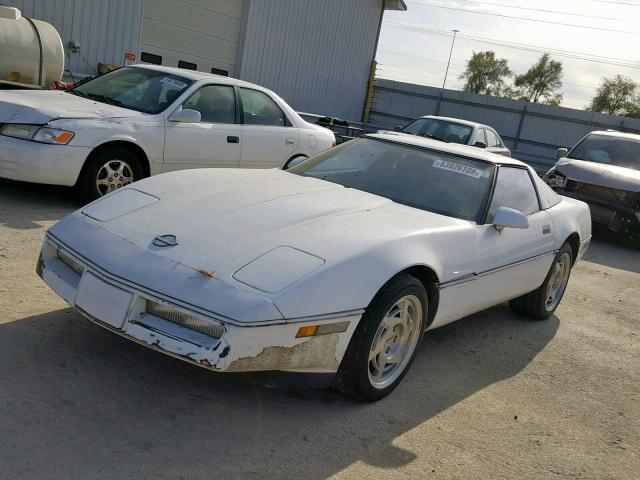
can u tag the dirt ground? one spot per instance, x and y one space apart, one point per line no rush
492 396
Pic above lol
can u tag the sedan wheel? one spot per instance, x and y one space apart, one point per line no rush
384 343
113 175
108 170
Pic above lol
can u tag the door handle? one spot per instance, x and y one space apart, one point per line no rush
290 141
546 229
233 139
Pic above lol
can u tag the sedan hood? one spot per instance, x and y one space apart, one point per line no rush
608 176
40 107
223 219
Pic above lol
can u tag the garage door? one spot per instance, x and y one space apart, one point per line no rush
197 34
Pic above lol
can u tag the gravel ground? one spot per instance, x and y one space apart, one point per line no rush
491 396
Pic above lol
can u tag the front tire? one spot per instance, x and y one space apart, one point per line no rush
541 303
107 171
384 344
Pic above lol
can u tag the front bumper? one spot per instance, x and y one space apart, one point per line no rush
617 218
39 162
122 309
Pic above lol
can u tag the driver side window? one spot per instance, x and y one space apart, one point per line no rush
514 189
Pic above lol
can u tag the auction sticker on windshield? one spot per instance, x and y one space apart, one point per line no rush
173 82
458 168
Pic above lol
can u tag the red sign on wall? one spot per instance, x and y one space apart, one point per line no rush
129 57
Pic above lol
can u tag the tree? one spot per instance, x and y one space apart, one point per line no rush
541 81
615 96
486 74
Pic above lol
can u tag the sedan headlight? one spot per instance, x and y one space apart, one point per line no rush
555 180
36 133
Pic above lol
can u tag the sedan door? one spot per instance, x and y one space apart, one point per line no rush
269 140
215 141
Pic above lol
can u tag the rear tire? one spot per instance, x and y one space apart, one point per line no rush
389 331
108 170
541 303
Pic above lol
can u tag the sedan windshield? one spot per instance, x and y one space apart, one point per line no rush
426 179
624 152
442 130
139 89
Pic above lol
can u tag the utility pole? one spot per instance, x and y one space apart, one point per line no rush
455 32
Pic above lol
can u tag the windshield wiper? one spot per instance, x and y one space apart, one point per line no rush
104 99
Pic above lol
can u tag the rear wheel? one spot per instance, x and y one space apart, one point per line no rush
541 303
384 344
107 171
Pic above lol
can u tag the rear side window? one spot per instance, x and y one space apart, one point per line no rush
260 109
514 189
492 139
216 103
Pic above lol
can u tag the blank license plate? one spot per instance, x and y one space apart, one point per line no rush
103 301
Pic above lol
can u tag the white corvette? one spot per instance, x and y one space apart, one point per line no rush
336 266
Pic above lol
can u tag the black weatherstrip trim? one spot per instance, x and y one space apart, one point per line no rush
474 276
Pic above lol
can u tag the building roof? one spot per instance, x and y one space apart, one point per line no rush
453 148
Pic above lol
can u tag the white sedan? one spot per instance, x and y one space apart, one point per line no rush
144 120
336 266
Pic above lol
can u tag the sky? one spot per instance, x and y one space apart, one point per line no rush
407 53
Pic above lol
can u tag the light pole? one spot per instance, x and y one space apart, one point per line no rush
455 32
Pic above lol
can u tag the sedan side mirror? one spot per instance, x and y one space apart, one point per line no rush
562 153
186 115
397 128
509 218
480 145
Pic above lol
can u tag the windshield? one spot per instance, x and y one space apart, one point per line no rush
425 179
624 152
442 130
139 89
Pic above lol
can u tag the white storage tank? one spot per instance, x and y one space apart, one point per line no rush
31 51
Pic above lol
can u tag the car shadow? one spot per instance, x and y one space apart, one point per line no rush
615 251
21 204
78 400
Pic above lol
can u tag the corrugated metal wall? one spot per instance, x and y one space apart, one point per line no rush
105 29
316 54
532 131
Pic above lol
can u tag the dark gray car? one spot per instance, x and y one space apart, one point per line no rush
603 170
455 130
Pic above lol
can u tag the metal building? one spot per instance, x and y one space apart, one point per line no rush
316 54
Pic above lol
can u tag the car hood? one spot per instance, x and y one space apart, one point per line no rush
225 218
41 106
609 176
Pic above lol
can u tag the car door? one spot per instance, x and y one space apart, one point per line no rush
495 145
215 141
510 262
269 140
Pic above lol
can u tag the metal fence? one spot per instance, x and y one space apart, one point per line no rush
532 131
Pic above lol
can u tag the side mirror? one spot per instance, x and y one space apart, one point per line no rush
186 115
561 153
398 128
509 218
480 145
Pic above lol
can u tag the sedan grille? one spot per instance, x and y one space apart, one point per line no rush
188 321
